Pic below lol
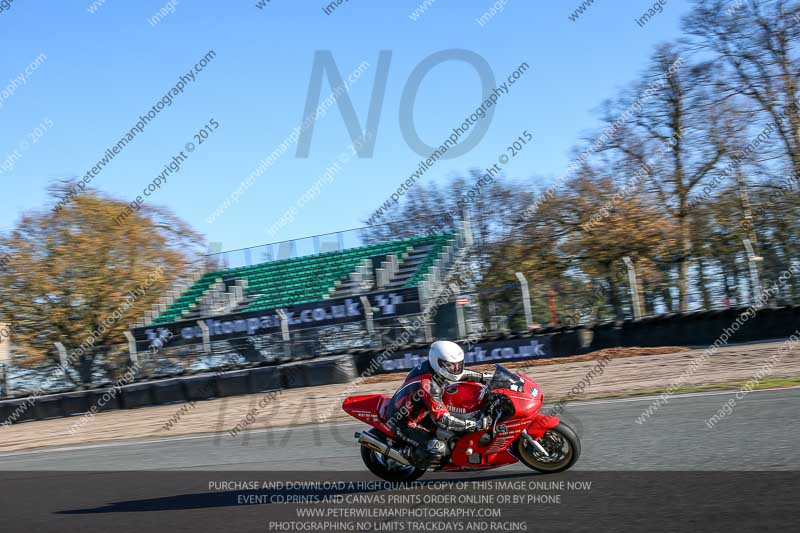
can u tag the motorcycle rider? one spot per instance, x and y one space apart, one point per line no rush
416 410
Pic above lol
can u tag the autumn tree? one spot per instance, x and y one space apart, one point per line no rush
80 276
574 244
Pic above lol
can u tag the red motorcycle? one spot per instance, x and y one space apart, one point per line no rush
519 432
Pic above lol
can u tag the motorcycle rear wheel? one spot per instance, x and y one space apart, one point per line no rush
563 447
387 468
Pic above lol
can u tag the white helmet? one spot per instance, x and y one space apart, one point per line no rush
447 360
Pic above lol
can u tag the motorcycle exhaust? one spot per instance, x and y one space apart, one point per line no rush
370 441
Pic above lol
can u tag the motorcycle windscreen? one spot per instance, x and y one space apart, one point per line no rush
506 379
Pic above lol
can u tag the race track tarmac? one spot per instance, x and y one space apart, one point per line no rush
762 433
670 473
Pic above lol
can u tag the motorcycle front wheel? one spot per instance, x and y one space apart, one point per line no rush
562 445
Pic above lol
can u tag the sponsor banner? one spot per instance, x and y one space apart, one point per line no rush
481 353
387 304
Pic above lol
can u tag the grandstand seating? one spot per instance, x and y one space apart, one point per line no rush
312 278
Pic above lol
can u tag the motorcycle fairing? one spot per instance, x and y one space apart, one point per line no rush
540 424
369 408
521 392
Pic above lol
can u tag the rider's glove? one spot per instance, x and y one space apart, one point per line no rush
478 425
487 377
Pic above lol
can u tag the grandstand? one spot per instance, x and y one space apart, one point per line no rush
360 291
307 279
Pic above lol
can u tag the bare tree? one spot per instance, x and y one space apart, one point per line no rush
491 203
757 43
671 128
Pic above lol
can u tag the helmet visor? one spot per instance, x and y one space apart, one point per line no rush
453 368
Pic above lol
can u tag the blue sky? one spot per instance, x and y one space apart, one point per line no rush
104 69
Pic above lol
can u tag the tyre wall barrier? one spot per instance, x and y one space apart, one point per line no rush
699 329
18 410
104 399
546 343
168 391
266 378
330 370
234 383
567 342
48 407
201 387
692 329
137 395
75 403
325 371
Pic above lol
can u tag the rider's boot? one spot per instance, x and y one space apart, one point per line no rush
431 452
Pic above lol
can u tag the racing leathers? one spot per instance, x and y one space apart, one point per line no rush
416 410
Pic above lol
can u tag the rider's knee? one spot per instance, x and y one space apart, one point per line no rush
436 448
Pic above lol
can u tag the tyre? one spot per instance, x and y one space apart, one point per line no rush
563 449
388 469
